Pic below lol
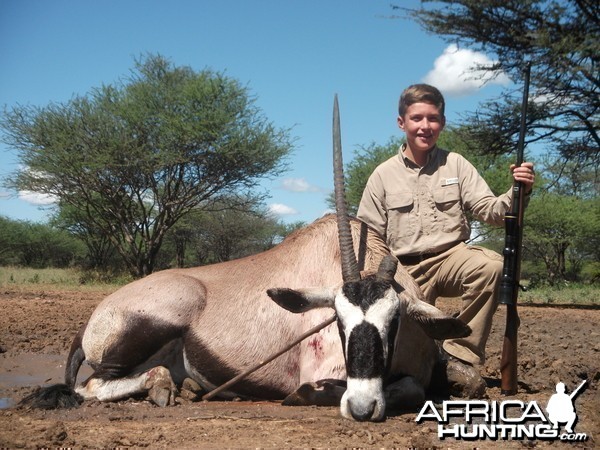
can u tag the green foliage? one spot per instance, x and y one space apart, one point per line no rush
571 178
129 160
358 171
229 234
562 232
37 245
102 256
233 228
563 294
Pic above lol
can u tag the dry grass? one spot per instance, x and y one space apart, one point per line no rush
25 278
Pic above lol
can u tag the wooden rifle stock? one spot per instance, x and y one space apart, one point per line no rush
508 289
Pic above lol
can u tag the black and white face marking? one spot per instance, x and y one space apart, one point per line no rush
366 310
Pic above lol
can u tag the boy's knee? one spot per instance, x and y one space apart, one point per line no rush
490 264
489 271
495 267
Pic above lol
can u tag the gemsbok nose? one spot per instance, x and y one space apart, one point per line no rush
362 412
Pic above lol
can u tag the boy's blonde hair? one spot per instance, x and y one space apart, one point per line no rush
421 93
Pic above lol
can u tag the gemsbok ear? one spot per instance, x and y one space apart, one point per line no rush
434 322
302 300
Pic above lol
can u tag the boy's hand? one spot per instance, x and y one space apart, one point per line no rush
525 174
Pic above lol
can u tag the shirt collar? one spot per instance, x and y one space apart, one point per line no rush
431 156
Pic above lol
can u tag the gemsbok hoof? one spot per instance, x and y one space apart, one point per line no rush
162 390
464 381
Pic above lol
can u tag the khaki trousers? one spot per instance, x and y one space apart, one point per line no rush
472 273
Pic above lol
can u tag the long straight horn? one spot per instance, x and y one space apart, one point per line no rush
350 270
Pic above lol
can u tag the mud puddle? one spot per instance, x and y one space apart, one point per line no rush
31 369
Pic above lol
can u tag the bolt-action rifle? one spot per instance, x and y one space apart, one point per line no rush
576 391
511 272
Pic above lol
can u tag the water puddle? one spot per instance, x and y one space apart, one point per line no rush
31 369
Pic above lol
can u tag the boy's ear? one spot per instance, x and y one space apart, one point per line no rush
400 122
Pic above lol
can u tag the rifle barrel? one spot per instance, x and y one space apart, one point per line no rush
508 288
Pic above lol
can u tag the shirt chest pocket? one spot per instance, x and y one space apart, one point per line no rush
448 203
402 218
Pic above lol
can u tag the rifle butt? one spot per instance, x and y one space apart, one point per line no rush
508 361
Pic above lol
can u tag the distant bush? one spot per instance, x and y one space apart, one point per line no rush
37 245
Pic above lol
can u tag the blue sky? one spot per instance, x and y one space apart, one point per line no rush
293 56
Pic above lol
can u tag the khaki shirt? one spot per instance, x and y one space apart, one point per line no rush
422 210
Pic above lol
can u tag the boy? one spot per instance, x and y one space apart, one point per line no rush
418 201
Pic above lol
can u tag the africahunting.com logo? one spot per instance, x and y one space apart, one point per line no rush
509 419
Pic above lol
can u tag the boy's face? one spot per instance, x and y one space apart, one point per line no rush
422 123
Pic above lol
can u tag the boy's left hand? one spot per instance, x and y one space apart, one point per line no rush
525 174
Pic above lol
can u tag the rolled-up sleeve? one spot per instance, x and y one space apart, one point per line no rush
479 199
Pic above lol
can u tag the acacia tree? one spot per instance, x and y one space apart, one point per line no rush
134 157
561 38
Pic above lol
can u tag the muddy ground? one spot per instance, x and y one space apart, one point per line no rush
36 328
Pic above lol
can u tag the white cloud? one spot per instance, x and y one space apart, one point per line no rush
455 74
298 185
280 209
35 198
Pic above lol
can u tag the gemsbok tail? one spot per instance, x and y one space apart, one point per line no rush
60 395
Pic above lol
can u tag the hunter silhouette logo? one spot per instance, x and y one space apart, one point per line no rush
561 409
508 419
